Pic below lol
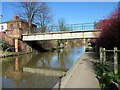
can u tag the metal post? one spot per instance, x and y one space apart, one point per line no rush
82 26
115 60
101 55
104 56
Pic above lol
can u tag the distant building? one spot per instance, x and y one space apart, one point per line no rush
3 27
13 29
16 25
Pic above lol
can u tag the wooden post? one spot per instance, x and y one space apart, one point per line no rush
101 55
115 61
104 56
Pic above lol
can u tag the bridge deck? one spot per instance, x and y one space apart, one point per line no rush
62 35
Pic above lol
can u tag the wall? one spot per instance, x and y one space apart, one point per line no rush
4 25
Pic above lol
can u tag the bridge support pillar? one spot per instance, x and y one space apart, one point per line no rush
84 41
16 45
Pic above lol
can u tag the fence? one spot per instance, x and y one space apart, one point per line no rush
103 57
68 27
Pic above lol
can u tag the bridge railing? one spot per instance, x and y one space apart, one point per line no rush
82 26
69 27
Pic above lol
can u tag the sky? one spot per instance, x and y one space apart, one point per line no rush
71 12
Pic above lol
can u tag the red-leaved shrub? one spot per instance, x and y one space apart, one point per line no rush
110 34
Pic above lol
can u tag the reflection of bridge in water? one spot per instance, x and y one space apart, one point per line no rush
53 64
46 72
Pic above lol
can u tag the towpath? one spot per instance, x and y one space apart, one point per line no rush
81 75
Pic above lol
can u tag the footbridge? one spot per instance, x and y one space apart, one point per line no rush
74 31
85 34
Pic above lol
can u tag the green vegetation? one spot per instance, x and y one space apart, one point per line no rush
108 80
108 39
5 46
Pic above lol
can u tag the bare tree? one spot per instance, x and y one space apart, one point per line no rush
34 12
61 24
62 27
44 17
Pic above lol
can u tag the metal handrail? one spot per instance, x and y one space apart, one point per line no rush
110 50
67 27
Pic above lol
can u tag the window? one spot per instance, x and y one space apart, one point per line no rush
11 26
2 27
18 26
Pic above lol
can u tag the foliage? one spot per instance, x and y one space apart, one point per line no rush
96 56
108 80
110 35
4 45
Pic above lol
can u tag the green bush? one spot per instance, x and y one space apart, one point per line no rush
4 45
108 80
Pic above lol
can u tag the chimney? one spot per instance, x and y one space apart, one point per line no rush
16 17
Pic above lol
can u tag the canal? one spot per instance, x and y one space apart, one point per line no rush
15 73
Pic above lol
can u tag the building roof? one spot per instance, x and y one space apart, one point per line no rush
16 19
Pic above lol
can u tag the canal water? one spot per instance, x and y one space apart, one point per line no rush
13 75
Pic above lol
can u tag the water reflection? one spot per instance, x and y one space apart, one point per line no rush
56 60
14 77
16 64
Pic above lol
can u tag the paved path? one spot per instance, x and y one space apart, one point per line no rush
81 75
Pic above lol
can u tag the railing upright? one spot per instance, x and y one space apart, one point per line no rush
68 27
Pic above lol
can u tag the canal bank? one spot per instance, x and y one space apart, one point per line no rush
80 75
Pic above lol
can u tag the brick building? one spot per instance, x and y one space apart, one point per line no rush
14 28
17 25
